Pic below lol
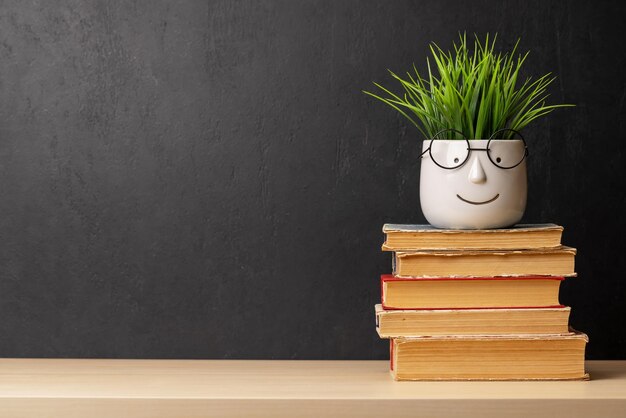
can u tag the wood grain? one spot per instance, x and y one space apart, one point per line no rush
230 388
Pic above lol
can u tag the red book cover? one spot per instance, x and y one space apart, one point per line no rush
501 279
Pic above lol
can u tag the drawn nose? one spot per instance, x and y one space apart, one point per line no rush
477 174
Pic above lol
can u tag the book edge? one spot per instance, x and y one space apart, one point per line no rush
427 228
584 377
572 335
397 278
379 310
456 253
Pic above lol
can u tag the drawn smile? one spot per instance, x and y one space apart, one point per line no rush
479 203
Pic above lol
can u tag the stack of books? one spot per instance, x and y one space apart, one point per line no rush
479 304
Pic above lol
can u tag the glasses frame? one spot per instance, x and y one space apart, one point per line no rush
470 149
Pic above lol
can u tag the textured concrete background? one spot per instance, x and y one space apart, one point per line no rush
205 179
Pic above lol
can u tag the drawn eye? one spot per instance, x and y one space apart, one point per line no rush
456 160
498 160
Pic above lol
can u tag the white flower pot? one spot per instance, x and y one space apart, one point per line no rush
475 189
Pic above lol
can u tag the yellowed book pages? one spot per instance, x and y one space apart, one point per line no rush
502 292
445 263
415 323
548 357
402 237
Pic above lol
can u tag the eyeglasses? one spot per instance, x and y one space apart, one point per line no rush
453 154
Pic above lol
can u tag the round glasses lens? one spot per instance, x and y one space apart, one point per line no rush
506 153
449 153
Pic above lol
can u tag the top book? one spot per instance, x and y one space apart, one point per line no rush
426 237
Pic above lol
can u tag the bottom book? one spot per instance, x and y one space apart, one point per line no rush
510 357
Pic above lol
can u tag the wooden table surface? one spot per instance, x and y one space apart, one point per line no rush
250 388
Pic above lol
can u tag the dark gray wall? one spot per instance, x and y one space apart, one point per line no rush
205 179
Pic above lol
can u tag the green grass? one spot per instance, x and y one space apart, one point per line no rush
475 92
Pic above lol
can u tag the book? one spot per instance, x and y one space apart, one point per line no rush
399 237
509 357
475 292
429 322
557 261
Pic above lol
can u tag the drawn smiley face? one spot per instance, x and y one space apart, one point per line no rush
475 184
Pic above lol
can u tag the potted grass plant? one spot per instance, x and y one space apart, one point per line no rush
471 106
